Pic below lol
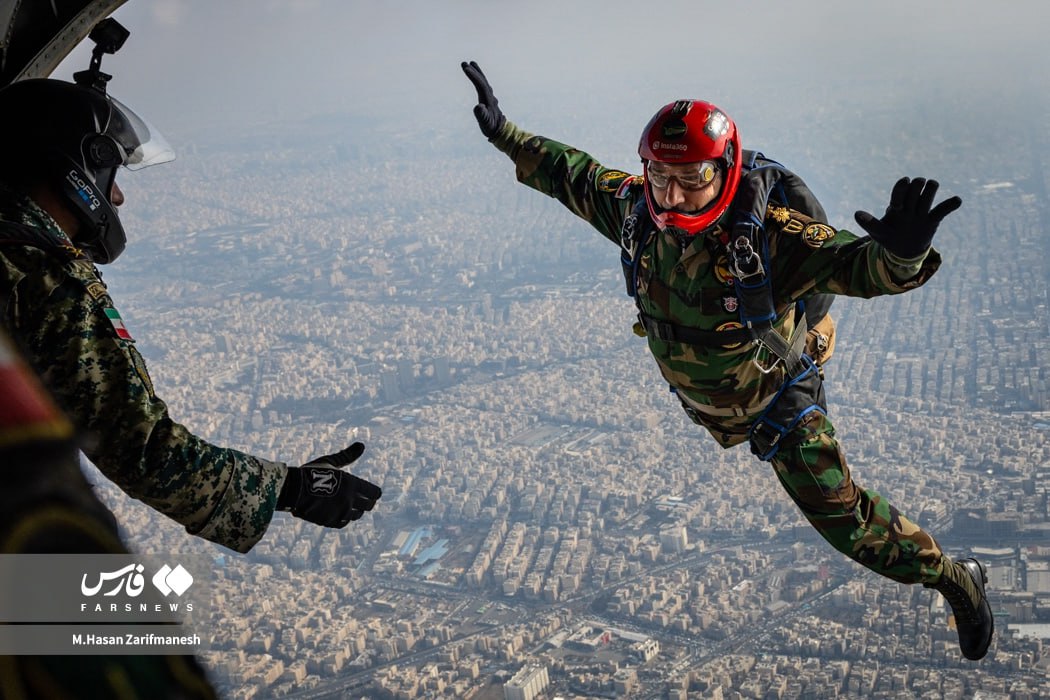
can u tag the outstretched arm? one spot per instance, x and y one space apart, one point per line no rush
84 354
601 196
894 258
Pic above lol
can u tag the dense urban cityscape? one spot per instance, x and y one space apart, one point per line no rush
552 524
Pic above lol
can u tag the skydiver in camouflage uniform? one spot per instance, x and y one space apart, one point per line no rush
693 252
63 144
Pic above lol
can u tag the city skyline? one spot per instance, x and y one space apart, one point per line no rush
436 333
337 254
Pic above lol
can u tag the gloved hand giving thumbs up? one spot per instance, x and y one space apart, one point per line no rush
322 493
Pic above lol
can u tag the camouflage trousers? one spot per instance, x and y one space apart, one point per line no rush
857 522
812 468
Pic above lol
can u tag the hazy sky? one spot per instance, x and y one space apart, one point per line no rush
235 63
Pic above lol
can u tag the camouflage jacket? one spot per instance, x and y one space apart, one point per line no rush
687 281
57 308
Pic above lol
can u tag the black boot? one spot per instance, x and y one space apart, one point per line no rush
962 584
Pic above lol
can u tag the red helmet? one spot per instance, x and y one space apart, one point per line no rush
691 131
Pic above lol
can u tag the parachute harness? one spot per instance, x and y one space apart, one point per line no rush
802 392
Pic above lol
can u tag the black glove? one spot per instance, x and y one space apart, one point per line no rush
487 111
326 495
907 228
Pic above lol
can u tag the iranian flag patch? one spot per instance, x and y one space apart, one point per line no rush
118 323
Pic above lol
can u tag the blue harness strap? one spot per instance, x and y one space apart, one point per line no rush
803 391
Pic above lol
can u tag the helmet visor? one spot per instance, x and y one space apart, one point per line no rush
143 144
689 176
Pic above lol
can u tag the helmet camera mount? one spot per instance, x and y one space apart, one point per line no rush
109 35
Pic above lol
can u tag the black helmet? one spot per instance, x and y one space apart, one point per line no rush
75 137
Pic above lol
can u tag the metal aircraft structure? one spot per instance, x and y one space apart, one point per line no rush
36 35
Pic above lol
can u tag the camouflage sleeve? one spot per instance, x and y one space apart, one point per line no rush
809 256
76 340
904 269
600 196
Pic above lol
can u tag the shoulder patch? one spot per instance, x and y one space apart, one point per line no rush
609 181
118 323
624 190
788 220
140 369
779 214
815 234
96 290
84 270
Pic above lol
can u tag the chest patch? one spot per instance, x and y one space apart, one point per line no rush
722 272
730 326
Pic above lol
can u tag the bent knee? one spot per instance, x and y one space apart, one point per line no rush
816 475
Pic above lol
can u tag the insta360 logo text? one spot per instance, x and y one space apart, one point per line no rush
131 581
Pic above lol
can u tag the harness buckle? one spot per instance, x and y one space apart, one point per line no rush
665 331
765 438
661 330
745 262
754 360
